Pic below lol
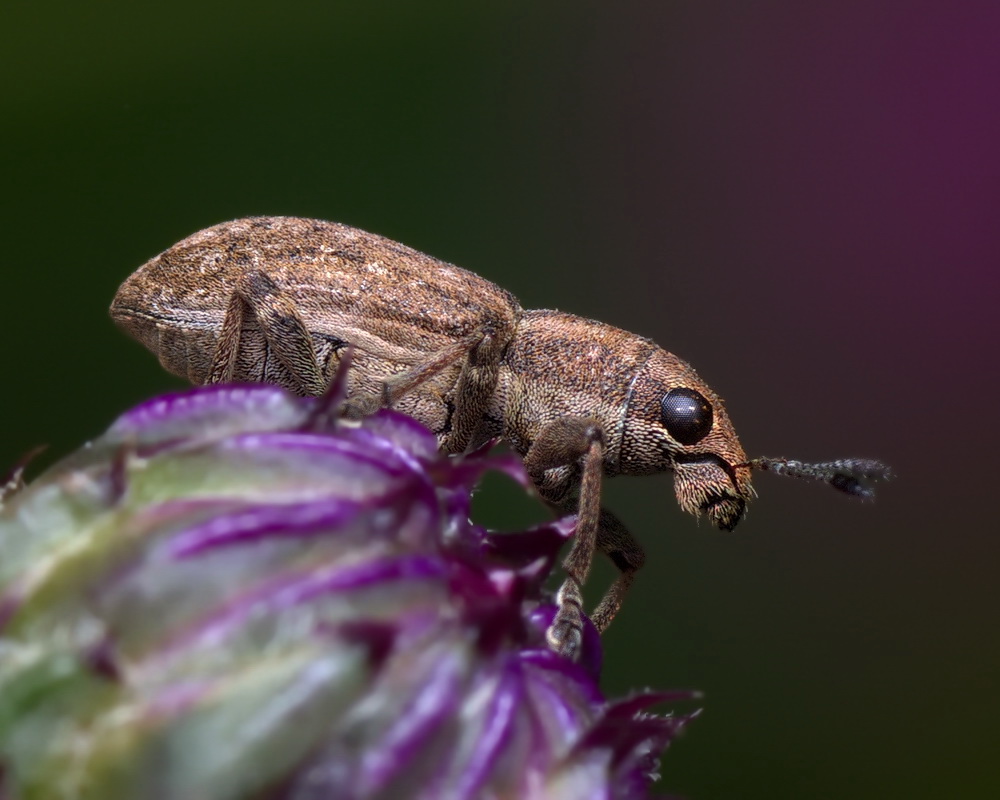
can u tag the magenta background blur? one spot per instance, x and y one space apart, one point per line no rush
799 198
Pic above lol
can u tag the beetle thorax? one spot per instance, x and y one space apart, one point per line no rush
558 365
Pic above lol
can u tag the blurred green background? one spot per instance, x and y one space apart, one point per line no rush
801 199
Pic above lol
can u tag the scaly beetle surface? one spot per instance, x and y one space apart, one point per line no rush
280 299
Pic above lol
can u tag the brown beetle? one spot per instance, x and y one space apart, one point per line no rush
279 300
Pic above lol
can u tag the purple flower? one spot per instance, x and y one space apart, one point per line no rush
232 594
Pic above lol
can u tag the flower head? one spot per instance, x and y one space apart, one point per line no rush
232 593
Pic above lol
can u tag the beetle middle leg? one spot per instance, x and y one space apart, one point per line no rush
559 447
480 353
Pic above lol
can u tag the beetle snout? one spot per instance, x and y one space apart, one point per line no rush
714 489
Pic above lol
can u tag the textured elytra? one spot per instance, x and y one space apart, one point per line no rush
395 305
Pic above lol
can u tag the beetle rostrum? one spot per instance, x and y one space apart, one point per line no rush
283 299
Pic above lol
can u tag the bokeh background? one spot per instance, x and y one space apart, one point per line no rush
799 198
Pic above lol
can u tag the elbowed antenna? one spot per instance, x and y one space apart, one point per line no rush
849 475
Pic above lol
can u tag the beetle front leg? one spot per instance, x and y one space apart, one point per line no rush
283 329
564 442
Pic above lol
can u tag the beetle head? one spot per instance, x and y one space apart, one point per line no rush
675 421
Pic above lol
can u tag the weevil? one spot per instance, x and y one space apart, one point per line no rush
281 300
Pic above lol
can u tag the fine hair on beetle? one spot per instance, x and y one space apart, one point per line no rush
284 300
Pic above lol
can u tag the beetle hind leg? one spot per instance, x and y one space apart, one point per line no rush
284 332
618 544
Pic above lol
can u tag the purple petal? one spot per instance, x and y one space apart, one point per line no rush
631 734
466 472
387 428
215 408
417 721
318 446
492 737
252 523
289 592
523 547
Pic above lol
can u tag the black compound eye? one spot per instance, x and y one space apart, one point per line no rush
687 415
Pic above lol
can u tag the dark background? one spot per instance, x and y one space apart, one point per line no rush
799 198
